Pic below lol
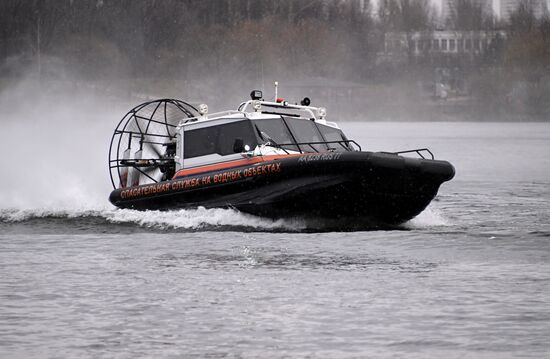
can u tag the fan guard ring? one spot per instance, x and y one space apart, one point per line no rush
142 147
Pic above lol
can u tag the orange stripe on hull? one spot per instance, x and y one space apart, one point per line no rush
230 164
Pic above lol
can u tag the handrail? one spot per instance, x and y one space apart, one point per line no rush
135 134
147 162
418 151
274 105
211 116
310 144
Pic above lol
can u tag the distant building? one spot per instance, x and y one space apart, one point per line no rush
466 45
507 7
449 53
448 7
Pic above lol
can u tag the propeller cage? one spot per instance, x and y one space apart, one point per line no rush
143 145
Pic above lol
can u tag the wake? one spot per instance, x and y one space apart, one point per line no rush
112 220
108 219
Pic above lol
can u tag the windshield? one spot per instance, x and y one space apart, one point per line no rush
305 131
334 134
301 135
276 132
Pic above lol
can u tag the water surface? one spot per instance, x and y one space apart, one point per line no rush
469 277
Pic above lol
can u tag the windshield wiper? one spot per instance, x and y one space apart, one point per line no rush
269 141
259 132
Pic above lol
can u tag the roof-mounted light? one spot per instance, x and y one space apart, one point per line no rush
256 95
306 101
257 105
282 101
322 112
203 109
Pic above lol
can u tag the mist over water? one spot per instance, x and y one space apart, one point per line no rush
57 149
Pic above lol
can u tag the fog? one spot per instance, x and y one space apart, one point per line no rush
55 149
398 60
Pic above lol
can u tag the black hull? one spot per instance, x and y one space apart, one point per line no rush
377 187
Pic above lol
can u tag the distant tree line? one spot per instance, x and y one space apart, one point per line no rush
140 34
242 39
191 35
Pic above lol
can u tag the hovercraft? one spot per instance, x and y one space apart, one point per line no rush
268 158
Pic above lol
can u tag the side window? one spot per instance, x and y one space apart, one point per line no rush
276 130
200 142
218 139
237 130
334 134
305 131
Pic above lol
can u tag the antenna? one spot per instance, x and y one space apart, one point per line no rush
276 87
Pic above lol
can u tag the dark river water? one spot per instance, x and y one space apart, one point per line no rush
468 278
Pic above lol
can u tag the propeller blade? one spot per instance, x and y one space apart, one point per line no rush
153 149
153 173
149 170
123 172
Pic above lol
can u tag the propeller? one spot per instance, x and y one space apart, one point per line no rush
153 151
143 147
